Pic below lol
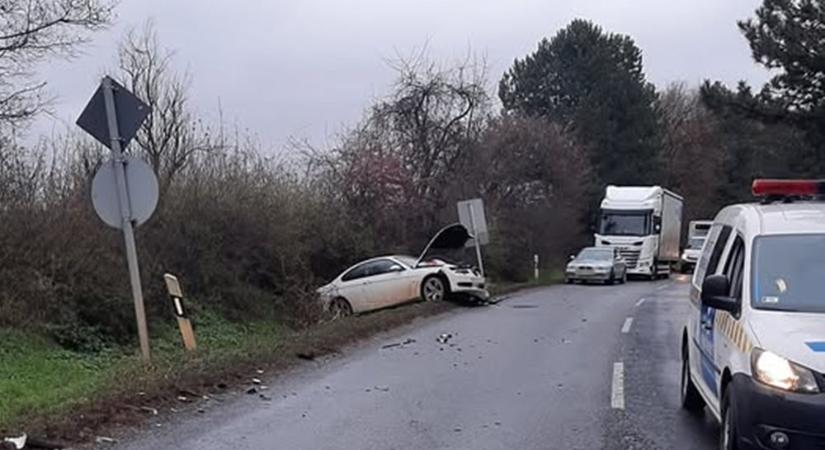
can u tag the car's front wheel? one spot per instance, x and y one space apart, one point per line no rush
433 289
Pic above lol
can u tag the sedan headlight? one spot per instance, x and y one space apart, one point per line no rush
774 370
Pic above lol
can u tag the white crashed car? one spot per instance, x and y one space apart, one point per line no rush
390 280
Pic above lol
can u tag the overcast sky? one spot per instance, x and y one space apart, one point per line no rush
308 68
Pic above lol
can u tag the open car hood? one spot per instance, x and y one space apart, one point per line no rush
451 237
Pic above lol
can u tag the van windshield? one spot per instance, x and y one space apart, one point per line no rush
624 223
787 273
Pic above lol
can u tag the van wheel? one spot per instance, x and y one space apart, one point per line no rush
690 398
728 434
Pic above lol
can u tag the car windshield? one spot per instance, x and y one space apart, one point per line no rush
787 273
597 254
696 243
620 223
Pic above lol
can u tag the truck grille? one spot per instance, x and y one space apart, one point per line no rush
631 256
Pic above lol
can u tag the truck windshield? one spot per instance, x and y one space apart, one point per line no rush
787 273
625 223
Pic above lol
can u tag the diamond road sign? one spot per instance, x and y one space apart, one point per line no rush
131 112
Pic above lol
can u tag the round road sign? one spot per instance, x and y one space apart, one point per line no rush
141 189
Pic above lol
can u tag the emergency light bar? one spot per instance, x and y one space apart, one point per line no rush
788 188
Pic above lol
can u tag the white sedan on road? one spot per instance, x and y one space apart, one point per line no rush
390 280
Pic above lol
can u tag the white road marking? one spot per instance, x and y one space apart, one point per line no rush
640 302
617 390
627 324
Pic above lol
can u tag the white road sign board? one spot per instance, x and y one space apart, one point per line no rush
141 188
471 215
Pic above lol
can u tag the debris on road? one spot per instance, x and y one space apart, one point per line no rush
256 381
183 398
443 338
260 371
150 410
407 341
252 390
265 397
221 386
523 306
105 440
382 388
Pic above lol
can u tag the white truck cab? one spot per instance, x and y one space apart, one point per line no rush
753 347
644 223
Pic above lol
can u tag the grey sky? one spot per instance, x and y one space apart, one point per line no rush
307 68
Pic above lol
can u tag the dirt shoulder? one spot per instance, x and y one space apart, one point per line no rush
139 391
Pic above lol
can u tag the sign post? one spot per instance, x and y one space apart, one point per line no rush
536 266
120 201
471 215
126 215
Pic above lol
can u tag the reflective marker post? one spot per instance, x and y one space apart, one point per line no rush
184 324
126 214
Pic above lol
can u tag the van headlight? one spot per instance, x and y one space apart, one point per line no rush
776 371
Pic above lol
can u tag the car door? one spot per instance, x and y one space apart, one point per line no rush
723 341
352 287
387 283
703 361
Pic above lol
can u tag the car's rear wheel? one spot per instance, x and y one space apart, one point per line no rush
339 307
433 289
691 398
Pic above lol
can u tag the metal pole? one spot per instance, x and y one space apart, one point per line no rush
536 266
475 238
126 214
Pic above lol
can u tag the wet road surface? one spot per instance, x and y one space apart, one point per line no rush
564 367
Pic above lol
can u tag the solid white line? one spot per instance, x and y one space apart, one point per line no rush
617 390
640 302
627 323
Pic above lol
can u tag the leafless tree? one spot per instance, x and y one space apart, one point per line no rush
172 133
32 31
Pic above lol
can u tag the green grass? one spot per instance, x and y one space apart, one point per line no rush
39 379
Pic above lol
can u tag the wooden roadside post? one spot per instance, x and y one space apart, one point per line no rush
185 325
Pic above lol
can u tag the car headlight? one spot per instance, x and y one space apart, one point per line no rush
602 269
774 370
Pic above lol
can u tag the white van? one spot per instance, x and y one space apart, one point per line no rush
753 347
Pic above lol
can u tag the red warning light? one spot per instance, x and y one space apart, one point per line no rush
786 188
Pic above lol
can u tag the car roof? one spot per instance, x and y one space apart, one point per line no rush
756 219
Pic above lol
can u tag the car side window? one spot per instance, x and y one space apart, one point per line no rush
382 266
356 272
714 246
734 267
718 250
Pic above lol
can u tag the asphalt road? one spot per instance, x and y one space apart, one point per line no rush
553 368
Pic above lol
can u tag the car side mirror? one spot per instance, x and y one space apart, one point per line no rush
396 268
572 257
716 294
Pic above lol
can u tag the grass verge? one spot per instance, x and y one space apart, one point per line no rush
69 397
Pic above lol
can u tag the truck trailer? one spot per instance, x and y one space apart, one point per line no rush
645 223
